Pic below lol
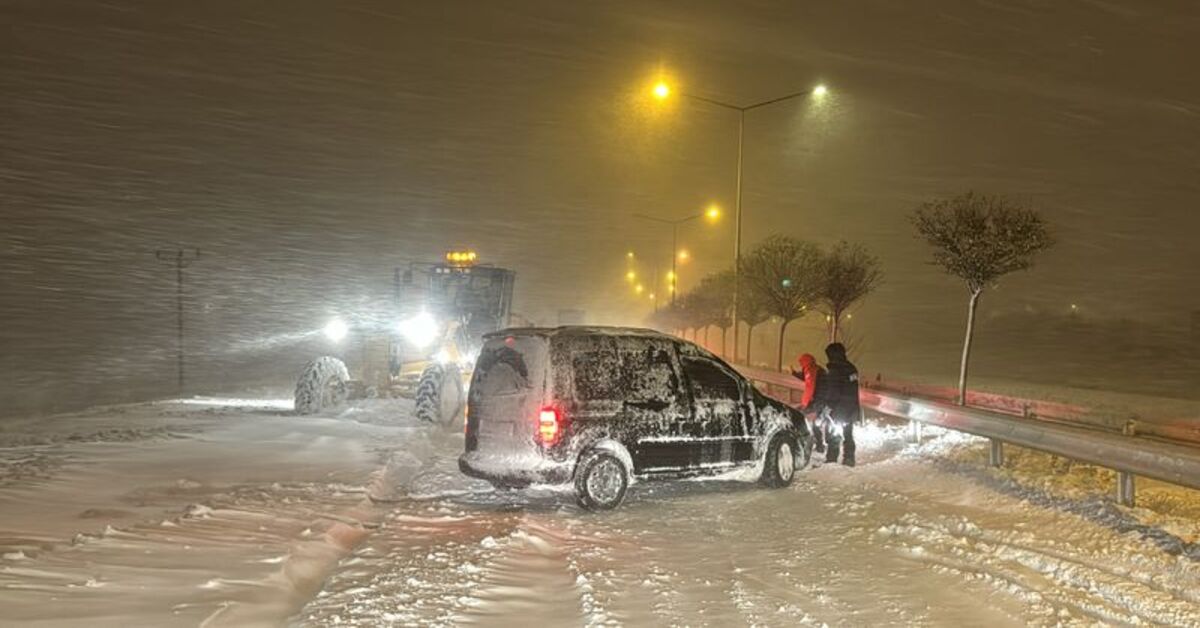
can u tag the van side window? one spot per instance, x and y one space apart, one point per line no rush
597 374
710 381
640 375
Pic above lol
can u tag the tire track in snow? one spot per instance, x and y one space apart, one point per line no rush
423 566
531 580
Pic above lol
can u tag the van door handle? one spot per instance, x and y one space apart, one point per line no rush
655 405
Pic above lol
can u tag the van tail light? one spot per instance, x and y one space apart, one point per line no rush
550 426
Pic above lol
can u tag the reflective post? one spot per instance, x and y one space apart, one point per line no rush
1125 488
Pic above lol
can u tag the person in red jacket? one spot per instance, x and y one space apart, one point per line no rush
811 402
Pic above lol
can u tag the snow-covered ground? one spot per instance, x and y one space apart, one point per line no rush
916 535
234 512
221 511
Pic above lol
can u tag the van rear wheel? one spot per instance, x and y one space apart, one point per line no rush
601 480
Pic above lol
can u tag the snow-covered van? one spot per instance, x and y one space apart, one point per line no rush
602 406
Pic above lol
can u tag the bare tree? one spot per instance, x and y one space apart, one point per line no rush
752 309
666 319
786 273
714 296
979 238
850 273
688 309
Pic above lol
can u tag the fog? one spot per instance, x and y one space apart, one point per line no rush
306 151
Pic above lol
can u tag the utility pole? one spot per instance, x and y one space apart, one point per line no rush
181 258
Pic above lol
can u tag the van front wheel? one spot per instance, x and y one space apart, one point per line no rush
601 480
779 463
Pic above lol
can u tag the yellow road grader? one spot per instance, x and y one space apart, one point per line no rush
424 349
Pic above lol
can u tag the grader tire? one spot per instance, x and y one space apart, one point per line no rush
324 383
440 395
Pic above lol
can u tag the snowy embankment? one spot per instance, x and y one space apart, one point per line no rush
211 510
1168 513
1046 531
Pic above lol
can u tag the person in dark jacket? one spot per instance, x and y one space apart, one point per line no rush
840 393
810 403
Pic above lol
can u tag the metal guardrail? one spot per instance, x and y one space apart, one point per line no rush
1129 455
1185 431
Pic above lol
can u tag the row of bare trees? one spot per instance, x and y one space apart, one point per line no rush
783 278
976 238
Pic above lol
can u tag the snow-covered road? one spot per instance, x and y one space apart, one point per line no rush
896 541
232 512
226 511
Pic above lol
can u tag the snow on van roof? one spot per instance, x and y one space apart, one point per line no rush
578 330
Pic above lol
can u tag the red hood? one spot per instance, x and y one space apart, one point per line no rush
807 361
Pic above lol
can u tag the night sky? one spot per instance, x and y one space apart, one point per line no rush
308 148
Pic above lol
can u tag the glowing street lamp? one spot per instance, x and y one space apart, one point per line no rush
683 255
630 276
661 91
639 288
713 212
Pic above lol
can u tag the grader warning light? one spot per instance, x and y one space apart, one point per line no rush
461 258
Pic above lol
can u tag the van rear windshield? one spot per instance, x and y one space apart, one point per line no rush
507 367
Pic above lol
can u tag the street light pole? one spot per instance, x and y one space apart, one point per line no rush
654 295
741 110
737 235
673 280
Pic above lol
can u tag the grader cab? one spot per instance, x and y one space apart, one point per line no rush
424 348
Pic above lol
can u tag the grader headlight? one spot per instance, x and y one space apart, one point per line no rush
335 330
421 330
